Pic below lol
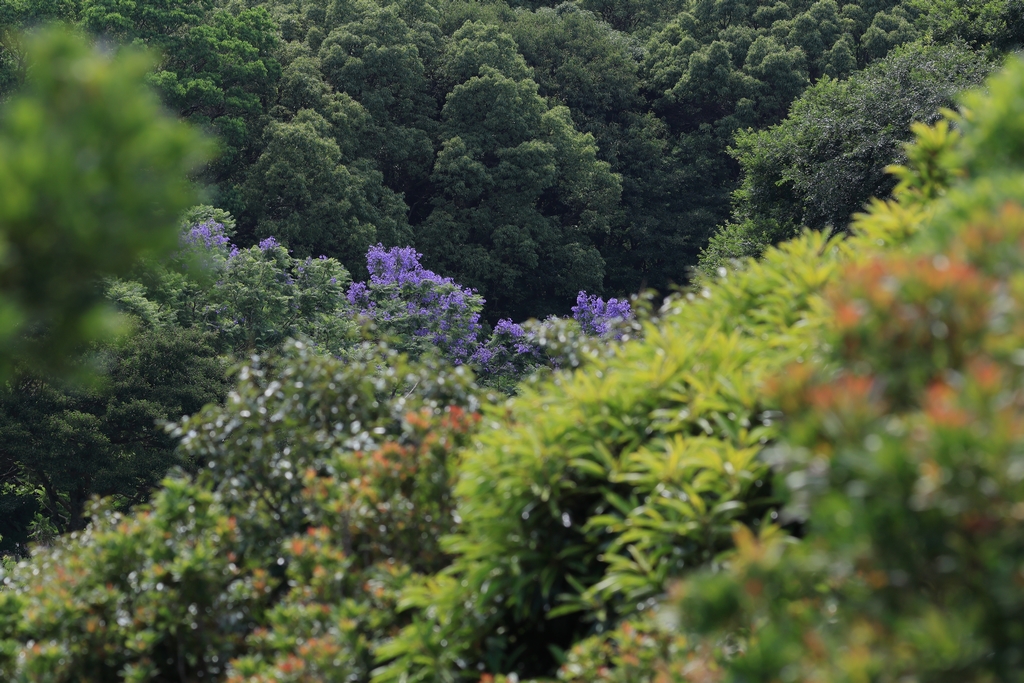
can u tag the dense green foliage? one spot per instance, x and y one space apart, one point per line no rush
300 444
314 442
586 493
806 467
902 448
62 443
527 150
829 156
94 178
990 25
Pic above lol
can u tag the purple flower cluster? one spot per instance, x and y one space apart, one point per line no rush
420 306
510 352
516 335
594 314
359 295
406 296
209 235
401 266
268 244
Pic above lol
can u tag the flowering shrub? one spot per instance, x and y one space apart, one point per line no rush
261 296
515 351
323 488
509 355
207 235
251 299
417 306
421 310
595 315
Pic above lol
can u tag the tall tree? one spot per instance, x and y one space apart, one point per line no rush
521 198
301 190
993 25
69 442
217 69
376 59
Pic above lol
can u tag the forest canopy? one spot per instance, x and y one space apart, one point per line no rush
528 151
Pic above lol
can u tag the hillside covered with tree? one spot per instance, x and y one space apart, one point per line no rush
527 151
450 340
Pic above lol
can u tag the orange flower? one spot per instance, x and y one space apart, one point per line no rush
940 406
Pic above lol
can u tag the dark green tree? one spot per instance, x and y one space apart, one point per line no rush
635 15
995 25
17 16
720 67
376 59
475 45
217 67
822 164
63 442
584 64
522 198
301 191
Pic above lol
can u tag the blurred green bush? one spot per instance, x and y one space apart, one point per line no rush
94 174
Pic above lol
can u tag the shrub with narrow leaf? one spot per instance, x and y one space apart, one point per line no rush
902 450
589 490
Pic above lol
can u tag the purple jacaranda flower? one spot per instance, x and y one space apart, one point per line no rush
209 234
406 293
594 313
506 326
358 294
